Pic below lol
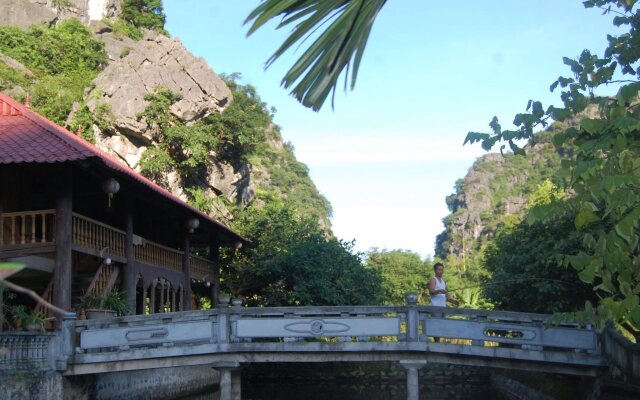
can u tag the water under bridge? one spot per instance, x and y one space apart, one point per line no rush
413 335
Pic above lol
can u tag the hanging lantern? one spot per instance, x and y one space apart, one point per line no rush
110 187
192 224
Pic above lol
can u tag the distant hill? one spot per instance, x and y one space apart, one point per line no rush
494 189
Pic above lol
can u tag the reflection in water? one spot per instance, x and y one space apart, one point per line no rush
343 391
360 392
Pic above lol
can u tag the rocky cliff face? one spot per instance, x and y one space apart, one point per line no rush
28 12
495 187
137 68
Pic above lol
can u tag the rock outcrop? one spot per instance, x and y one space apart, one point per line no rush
494 188
155 61
137 68
25 13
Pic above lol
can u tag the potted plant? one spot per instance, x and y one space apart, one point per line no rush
108 305
224 298
26 319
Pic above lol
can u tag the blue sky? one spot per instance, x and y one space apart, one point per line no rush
391 150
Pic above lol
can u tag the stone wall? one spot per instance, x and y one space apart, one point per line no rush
49 385
157 384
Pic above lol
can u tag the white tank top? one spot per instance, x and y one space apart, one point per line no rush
439 299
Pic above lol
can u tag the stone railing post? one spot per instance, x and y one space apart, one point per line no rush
223 325
67 341
412 317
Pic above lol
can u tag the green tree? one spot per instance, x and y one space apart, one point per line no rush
402 272
604 176
525 274
144 14
293 262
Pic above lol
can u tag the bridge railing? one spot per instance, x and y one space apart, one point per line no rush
505 329
26 351
623 354
430 326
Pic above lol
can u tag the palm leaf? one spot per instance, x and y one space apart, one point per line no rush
339 47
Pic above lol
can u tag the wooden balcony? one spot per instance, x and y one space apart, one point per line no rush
31 232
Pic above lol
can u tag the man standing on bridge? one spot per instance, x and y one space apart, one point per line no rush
438 288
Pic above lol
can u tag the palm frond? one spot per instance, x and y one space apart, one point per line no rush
338 47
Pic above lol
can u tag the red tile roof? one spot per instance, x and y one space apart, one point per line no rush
27 137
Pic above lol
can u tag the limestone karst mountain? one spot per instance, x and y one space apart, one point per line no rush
108 109
494 188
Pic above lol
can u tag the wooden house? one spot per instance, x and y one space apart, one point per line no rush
83 222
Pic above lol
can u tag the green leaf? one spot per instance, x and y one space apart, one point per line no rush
628 93
473 137
588 274
593 126
337 48
626 227
634 316
585 217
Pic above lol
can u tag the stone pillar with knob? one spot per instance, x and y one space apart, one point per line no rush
412 318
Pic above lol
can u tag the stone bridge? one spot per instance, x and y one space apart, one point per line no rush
227 337
413 335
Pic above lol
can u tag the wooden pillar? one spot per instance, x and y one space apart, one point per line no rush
162 299
63 240
1 226
144 298
129 273
214 256
152 297
1 245
186 271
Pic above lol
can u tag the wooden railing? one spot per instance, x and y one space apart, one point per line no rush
158 255
33 227
48 314
201 268
93 234
104 279
27 227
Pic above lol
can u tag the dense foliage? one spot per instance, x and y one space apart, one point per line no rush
293 262
525 275
402 272
242 133
136 14
604 177
62 60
